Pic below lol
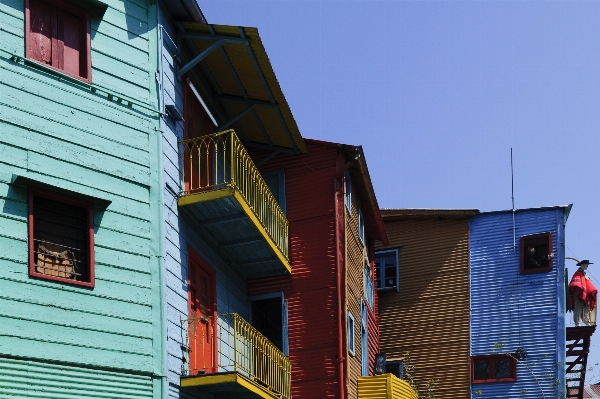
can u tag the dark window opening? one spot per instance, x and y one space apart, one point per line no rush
395 368
267 318
60 238
536 253
493 368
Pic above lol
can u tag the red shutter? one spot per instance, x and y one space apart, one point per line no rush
69 43
39 47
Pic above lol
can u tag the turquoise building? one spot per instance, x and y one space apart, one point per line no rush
81 297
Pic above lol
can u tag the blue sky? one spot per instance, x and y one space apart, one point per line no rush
437 93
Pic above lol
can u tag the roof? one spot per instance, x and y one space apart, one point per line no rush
362 181
392 215
566 208
236 66
184 10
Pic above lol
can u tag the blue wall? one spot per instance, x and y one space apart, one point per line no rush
178 228
518 310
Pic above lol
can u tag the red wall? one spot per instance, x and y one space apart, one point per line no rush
311 289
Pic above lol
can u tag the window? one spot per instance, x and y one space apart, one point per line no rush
351 333
536 253
493 368
348 184
57 34
61 238
364 340
395 368
276 182
386 269
269 317
361 226
368 284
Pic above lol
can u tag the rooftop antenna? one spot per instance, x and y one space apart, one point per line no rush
512 188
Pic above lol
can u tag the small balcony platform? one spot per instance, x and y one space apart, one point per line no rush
384 386
227 357
228 203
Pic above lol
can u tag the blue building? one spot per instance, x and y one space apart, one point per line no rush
517 290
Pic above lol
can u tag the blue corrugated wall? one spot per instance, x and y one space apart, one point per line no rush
518 310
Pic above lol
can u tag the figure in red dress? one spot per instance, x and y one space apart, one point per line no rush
582 296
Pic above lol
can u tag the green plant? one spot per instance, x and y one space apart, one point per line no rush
409 376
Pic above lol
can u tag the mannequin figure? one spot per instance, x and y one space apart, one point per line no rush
582 296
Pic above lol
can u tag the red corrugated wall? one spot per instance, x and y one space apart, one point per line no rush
311 289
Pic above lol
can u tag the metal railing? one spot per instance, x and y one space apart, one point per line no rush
220 160
227 342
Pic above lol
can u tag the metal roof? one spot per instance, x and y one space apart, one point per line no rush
391 215
567 209
235 62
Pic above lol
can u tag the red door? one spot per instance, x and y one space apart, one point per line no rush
202 316
198 155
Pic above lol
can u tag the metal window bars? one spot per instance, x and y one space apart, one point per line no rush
232 344
220 160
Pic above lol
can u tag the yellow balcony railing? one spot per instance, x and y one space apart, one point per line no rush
220 161
228 343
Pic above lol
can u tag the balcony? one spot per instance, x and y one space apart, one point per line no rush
385 386
231 207
226 355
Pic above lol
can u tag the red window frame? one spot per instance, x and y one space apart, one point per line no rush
57 46
523 244
35 192
491 367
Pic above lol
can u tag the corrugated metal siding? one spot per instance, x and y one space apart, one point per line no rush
67 136
179 229
356 254
26 379
311 290
429 316
385 386
517 310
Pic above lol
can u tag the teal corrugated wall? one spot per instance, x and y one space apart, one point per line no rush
26 379
64 134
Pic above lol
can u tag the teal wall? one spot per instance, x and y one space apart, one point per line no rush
76 137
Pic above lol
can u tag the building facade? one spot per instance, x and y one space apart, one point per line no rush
423 289
517 280
80 261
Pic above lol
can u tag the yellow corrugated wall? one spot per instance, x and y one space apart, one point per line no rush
429 316
385 386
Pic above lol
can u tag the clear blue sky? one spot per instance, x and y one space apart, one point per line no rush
437 92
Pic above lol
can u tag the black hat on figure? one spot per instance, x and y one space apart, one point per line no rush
584 262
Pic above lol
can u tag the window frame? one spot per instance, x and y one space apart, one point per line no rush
380 270
280 173
368 284
361 227
35 192
523 270
350 334
364 338
490 359
348 191
397 363
82 13
284 317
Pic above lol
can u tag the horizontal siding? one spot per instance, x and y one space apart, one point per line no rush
517 310
64 135
26 379
429 316
179 228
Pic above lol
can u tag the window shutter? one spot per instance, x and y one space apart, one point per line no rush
40 31
69 43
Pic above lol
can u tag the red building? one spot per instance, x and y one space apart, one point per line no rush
334 220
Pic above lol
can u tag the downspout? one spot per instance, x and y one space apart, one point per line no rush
339 260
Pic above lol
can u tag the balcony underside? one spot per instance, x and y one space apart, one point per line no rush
225 385
225 220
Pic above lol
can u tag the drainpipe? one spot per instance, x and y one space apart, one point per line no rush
339 260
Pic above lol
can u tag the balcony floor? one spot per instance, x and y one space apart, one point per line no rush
225 221
226 385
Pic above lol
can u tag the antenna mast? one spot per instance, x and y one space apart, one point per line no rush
512 189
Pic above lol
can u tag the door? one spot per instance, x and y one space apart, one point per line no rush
198 154
202 324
